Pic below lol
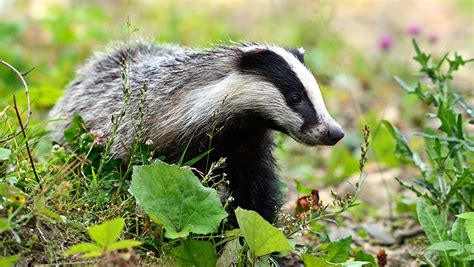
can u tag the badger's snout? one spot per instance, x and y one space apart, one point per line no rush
322 134
333 135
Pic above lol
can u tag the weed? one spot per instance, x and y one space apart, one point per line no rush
106 244
446 181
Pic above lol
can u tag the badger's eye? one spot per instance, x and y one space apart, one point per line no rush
295 99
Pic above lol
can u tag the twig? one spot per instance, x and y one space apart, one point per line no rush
26 142
28 71
21 76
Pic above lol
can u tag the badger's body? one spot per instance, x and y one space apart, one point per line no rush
230 98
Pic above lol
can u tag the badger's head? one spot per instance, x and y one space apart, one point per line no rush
285 92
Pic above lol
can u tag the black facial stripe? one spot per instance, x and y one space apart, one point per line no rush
271 67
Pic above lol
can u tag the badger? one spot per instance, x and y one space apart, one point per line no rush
246 91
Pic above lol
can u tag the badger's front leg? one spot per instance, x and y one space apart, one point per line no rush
251 172
255 187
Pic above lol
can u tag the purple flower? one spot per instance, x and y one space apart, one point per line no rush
414 29
433 38
99 137
385 42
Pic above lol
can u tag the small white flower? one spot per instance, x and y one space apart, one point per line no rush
57 148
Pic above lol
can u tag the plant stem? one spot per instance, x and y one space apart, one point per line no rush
26 143
443 189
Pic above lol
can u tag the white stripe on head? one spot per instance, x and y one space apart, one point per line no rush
235 94
308 81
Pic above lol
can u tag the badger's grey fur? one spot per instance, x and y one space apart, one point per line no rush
239 94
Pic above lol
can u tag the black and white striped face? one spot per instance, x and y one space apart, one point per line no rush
292 98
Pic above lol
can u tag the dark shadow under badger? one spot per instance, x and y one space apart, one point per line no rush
230 98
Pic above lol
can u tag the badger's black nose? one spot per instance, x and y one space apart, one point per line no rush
334 134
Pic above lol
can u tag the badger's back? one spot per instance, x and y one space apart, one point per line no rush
168 73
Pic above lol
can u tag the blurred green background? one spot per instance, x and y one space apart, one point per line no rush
353 48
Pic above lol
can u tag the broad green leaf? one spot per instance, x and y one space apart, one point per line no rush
195 253
459 233
468 224
4 153
262 237
230 253
108 232
311 261
445 246
123 244
432 224
362 256
83 248
174 196
338 251
9 261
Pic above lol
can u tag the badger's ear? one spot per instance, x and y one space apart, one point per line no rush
269 66
298 53
257 59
